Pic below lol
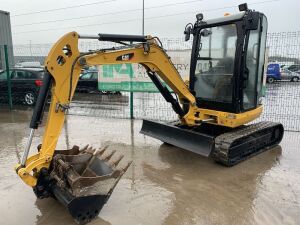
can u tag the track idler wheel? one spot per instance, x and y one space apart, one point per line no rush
82 180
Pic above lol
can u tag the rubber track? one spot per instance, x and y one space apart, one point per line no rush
224 142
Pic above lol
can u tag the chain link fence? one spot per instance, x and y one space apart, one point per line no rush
281 102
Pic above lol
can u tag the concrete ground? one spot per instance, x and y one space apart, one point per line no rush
164 185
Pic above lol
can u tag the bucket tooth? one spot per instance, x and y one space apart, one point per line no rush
92 150
102 150
73 151
84 148
108 157
118 173
82 182
88 150
125 168
116 161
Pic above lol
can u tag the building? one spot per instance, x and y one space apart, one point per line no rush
5 38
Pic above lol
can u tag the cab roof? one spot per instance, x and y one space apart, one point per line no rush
225 18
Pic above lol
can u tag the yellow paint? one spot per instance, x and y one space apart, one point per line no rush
230 119
156 60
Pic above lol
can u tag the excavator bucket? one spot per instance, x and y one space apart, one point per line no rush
82 180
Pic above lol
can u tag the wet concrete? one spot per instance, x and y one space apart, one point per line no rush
165 185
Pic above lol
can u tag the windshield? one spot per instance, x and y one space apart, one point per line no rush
215 63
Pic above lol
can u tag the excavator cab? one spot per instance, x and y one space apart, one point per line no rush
227 62
226 78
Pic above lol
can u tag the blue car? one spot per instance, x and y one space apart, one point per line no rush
273 72
276 72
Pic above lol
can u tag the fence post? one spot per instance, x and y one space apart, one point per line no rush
131 93
8 76
131 105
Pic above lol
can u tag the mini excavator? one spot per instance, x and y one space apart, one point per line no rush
223 95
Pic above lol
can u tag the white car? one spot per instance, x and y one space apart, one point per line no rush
28 65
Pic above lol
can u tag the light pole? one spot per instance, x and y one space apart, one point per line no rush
131 73
143 22
30 48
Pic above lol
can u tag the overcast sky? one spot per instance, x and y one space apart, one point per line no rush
162 18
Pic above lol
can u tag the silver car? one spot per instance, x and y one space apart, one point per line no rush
286 74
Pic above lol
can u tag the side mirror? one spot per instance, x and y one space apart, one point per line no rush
251 20
187 32
205 33
243 7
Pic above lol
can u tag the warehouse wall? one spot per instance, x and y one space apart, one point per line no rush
5 38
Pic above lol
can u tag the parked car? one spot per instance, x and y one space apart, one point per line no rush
34 64
88 83
286 74
294 68
25 85
275 72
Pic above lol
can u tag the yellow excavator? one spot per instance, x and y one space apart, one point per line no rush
224 93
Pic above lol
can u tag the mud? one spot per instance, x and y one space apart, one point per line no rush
165 185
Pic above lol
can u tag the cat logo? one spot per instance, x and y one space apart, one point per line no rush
125 57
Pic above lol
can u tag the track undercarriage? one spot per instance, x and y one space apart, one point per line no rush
227 146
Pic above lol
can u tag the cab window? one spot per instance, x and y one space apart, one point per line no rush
215 63
255 59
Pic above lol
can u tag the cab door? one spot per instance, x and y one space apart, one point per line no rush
254 62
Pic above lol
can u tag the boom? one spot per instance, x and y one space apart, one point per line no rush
64 64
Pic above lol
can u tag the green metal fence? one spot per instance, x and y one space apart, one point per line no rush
281 102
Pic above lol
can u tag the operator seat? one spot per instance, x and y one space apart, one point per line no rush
223 79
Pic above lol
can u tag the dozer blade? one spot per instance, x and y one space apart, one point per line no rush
82 180
196 142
